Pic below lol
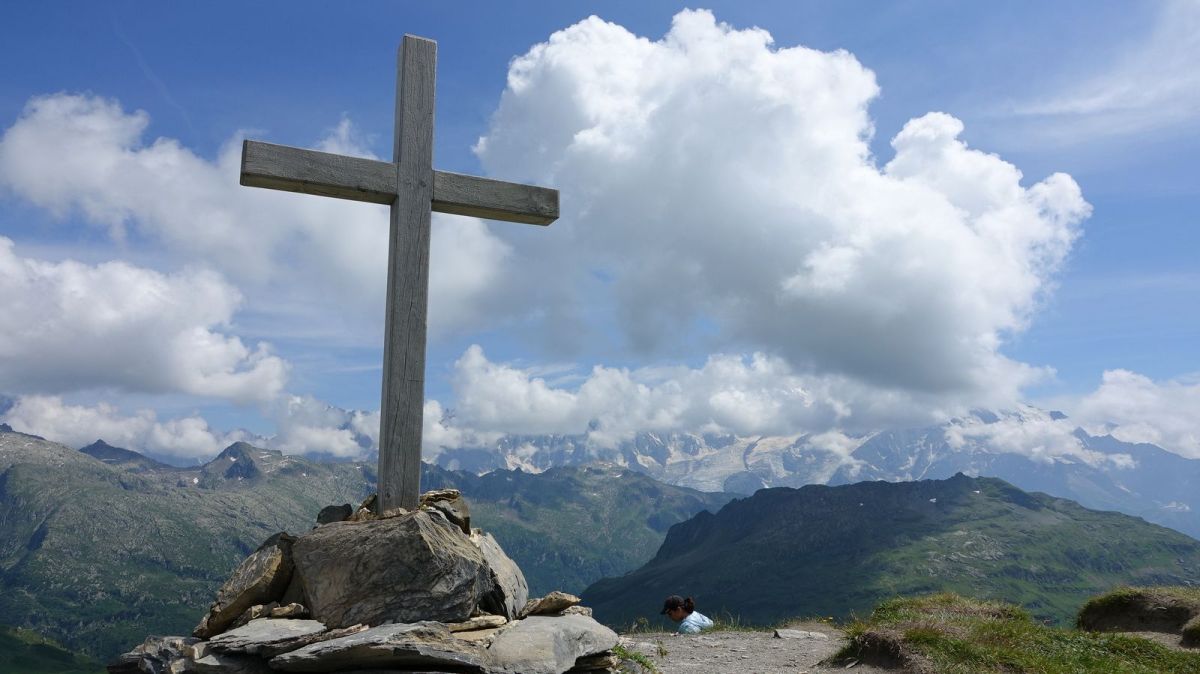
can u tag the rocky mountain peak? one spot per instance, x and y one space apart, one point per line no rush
119 456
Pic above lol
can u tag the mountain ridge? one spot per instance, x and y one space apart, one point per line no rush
837 550
1098 471
97 554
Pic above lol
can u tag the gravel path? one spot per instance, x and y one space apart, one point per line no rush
739 652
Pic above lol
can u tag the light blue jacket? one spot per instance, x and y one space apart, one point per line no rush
695 622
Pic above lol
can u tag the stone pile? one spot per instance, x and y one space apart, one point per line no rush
397 591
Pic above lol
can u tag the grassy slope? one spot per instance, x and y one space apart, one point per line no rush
24 652
110 556
840 550
946 633
569 527
98 557
1135 609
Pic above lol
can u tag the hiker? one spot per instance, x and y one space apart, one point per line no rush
683 611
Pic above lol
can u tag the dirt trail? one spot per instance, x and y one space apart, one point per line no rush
739 652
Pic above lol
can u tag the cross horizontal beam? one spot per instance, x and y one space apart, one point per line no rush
294 169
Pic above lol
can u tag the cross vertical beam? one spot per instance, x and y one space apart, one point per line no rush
413 189
403 398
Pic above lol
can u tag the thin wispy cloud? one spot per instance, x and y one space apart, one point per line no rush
1151 84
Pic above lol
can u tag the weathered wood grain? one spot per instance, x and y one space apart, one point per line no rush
311 172
408 279
292 169
493 199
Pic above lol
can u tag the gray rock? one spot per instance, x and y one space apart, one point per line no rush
254 613
604 662
268 652
801 634
264 632
155 655
511 591
450 503
401 569
334 513
417 645
483 637
292 610
552 604
549 645
478 623
578 610
260 579
206 661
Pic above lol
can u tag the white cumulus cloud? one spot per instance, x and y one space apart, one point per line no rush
714 179
752 395
70 326
1033 433
1134 408
187 437
82 154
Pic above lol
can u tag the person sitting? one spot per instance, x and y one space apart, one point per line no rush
683 611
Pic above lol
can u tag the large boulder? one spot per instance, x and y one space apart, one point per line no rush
412 567
260 579
426 646
549 644
511 591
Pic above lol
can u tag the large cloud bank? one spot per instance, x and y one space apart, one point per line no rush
712 179
301 259
721 207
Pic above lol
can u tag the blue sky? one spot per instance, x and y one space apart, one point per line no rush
1102 92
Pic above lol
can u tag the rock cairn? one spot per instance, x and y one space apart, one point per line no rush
397 591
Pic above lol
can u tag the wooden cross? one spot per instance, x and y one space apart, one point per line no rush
412 188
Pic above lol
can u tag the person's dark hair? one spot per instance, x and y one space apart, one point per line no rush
675 601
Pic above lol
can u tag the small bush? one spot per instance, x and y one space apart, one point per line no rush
1139 609
1191 633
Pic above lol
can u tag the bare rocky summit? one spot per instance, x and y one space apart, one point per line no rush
397 591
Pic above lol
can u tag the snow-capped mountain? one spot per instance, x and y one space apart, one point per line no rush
1032 449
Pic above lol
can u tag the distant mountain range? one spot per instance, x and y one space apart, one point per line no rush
834 551
1105 474
100 547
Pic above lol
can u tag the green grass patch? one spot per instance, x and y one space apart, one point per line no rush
1142 609
949 633
636 656
26 652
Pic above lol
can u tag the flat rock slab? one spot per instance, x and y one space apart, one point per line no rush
548 644
206 661
404 569
552 604
264 633
482 622
421 646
